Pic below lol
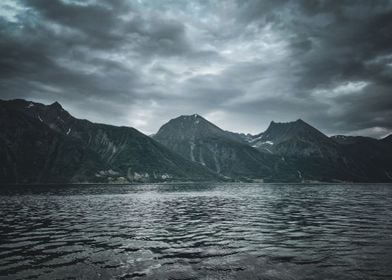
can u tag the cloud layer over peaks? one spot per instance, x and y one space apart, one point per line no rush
240 64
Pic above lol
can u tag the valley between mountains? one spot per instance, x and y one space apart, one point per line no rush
45 144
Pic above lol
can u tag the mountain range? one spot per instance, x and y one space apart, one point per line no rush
45 144
40 143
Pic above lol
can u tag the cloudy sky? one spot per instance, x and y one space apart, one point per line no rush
238 63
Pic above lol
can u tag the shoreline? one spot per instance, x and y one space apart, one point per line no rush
195 182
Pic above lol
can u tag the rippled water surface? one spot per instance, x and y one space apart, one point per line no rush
196 231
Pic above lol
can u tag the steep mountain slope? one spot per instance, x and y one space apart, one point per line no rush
295 139
197 139
293 151
372 157
32 152
34 135
319 157
44 143
315 156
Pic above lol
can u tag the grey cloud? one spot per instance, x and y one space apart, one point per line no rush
241 63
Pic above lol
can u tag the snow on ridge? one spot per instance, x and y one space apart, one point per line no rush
257 139
262 143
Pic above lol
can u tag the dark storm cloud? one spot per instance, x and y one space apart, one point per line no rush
239 63
350 48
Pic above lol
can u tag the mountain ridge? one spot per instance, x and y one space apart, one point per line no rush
124 153
44 143
198 140
291 147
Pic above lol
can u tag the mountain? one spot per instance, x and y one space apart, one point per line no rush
372 157
322 158
44 143
295 139
319 157
197 139
292 151
33 152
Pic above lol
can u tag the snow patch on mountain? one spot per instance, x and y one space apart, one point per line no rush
257 138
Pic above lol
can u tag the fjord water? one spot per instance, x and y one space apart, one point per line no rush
196 231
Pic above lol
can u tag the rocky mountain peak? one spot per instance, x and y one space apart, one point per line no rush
194 118
56 105
286 130
189 127
294 138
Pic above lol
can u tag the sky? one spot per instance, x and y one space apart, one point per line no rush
238 63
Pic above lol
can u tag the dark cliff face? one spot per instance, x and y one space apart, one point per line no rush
45 143
195 138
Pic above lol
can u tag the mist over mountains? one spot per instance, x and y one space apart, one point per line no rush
45 144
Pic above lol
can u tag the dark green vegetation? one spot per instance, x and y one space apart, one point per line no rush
40 143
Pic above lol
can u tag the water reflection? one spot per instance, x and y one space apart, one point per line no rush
195 231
